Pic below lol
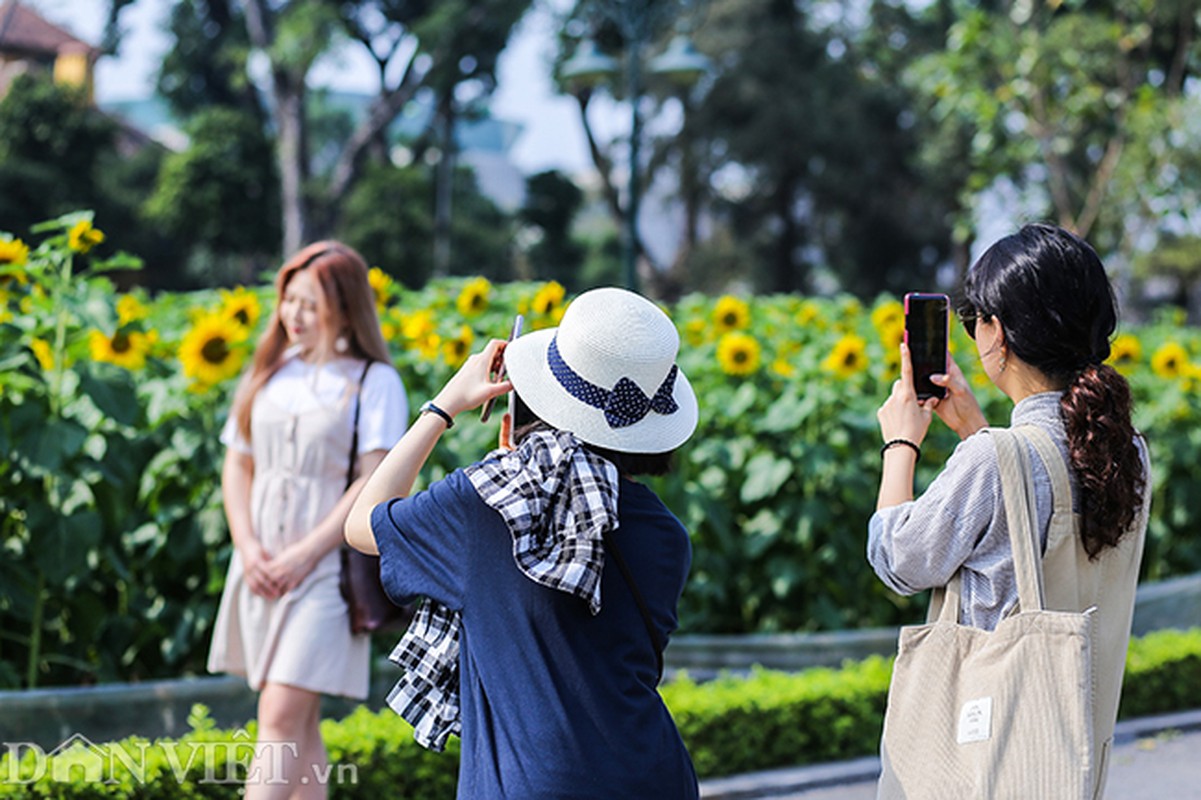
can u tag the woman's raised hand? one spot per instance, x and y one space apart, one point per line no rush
475 381
903 416
959 409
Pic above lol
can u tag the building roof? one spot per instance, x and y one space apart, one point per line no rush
23 30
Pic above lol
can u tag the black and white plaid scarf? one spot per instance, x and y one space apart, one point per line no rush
558 500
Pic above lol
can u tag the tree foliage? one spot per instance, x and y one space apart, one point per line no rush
797 151
59 154
207 64
552 202
416 46
389 217
221 193
1065 101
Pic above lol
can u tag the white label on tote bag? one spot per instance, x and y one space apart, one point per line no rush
975 720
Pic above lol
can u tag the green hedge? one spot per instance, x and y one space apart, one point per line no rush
1163 673
731 725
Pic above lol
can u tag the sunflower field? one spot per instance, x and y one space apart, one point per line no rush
114 540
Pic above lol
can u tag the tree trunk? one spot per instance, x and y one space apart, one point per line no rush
288 92
444 175
292 154
785 272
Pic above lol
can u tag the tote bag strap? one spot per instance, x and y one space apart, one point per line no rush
944 601
1017 487
1061 483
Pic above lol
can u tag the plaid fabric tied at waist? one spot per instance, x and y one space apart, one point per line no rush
558 499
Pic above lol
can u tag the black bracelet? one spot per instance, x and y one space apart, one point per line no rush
433 409
891 443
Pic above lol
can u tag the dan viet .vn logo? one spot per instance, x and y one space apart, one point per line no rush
79 760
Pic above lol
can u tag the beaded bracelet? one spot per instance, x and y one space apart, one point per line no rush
891 443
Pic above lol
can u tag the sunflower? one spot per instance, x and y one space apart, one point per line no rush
427 346
5 314
784 368
43 352
382 286
474 297
83 237
891 336
810 313
1170 360
731 314
888 315
548 298
14 252
738 354
1125 352
124 348
456 350
417 325
892 364
848 356
240 306
209 350
130 309
694 332
1192 377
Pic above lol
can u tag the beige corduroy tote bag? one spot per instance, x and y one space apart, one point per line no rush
993 715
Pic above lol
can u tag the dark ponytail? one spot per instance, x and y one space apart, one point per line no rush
1050 292
1109 469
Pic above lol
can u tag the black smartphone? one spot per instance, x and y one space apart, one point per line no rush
514 332
926 336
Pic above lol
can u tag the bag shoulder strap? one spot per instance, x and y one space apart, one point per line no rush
1057 468
1017 487
354 436
612 549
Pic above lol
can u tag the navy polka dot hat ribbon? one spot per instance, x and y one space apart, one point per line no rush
625 404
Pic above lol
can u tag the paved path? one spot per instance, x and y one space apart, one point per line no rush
1156 758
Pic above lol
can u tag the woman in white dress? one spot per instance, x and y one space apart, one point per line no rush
282 622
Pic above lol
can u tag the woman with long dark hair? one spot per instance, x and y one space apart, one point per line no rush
282 622
1041 310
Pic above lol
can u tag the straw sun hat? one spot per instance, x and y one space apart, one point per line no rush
607 374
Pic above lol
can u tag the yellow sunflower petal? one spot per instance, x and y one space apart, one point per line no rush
738 353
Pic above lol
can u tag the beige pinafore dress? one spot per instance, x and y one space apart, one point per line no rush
302 639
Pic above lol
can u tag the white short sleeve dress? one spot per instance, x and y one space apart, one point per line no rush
301 428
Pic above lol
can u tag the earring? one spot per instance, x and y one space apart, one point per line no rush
341 344
1001 363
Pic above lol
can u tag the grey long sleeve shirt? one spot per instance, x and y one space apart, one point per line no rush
959 521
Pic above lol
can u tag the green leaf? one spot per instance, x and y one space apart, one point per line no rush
61 546
786 414
47 445
765 475
762 531
113 394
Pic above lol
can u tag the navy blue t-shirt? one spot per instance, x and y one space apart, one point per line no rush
556 703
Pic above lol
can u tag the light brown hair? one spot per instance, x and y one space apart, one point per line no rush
345 298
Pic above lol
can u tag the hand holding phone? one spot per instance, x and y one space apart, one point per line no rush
926 337
486 412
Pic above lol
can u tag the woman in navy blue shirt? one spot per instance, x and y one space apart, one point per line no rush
551 575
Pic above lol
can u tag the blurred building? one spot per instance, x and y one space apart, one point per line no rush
30 43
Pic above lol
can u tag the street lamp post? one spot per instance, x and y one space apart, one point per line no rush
635 20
